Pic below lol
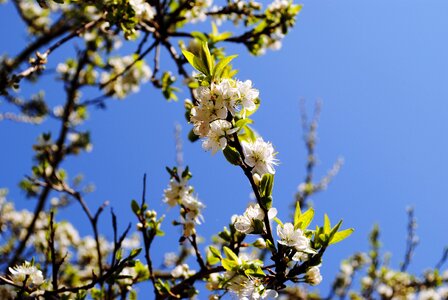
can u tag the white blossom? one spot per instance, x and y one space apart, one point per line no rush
182 271
313 276
176 192
142 9
128 80
193 209
217 136
170 259
385 290
293 238
189 228
249 289
246 222
129 274
203 115
247 94
26 273
260 156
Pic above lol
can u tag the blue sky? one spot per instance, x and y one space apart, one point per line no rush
381 71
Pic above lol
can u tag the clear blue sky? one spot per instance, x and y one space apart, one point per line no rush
381 70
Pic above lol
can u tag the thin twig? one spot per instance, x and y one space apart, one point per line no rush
58 156
411 240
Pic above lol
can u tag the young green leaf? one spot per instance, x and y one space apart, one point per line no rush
228 264
305 219
207 59
232 155
230 254
297 213
341 235
135 207
327 224
334 230
266 185
215 252
221 65
195 62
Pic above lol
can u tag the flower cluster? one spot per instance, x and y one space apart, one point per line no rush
221 112
119 82
142 9
250 289
198 13
218 100
179 192
182 270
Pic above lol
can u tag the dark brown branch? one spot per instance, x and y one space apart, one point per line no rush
58 156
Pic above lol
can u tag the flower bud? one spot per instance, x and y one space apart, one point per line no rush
313 276
257 179
260 243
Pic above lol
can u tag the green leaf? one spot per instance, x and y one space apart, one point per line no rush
207 59
230 254
341 235
225 235
269 245
135 207
192 137
213 256
215 252
334 230
228 264
266 202
297 213
232 155
135 252
199 36
133 295
211 260
221 65
277 220
243 122
266 185
195 62
305 219
327 224
119 254
186 173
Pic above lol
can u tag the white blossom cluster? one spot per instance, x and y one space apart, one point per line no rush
247 288
198 13
179 192
277 6
250 289
68 69
76 117
210 119
142 9
39 17
182 271
238 6
129 81
216 101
